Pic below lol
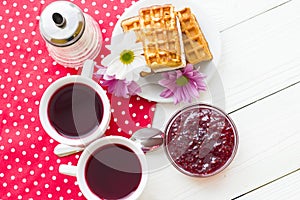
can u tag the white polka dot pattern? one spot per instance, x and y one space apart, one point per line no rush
29 169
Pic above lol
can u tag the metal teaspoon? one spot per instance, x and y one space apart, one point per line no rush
148 139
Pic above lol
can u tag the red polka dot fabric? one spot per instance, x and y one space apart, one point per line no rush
29 169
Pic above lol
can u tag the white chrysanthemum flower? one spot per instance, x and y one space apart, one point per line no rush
125 60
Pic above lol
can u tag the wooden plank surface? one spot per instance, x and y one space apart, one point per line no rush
260 71
261 56
229 13
284 188
269 148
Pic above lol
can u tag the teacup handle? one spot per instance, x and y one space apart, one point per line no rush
70 170
88 68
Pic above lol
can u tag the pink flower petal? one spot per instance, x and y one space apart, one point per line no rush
185 93
134 88
166 93
121 88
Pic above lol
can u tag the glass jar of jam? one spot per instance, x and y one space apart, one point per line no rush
201 140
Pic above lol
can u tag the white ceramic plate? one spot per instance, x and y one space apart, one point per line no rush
150 88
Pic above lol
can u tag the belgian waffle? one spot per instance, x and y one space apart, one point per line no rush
132 24
161 39
195 45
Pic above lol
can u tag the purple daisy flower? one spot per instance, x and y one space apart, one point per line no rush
183 85
120 88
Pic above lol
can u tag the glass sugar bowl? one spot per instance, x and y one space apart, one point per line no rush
71 36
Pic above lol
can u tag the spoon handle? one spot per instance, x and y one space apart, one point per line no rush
62 150
152 142
70 170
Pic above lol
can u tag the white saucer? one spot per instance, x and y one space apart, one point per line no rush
150 88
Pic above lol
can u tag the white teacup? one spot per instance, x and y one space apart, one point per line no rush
81 117
112 167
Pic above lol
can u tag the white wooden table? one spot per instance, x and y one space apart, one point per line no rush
260 72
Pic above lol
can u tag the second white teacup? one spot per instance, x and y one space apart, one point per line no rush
75 110
112 167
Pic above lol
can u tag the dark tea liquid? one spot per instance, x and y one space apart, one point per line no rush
75 110
113 172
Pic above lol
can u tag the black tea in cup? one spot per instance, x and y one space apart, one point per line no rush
75 110
113 171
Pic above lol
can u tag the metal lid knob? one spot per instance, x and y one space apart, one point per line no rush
59 20
62 23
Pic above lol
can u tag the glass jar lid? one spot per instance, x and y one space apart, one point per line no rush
62 23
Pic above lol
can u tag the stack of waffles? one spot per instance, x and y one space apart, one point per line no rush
168 41
156 27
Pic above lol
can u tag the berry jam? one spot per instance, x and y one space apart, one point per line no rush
201 140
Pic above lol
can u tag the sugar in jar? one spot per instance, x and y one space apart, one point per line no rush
71 36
